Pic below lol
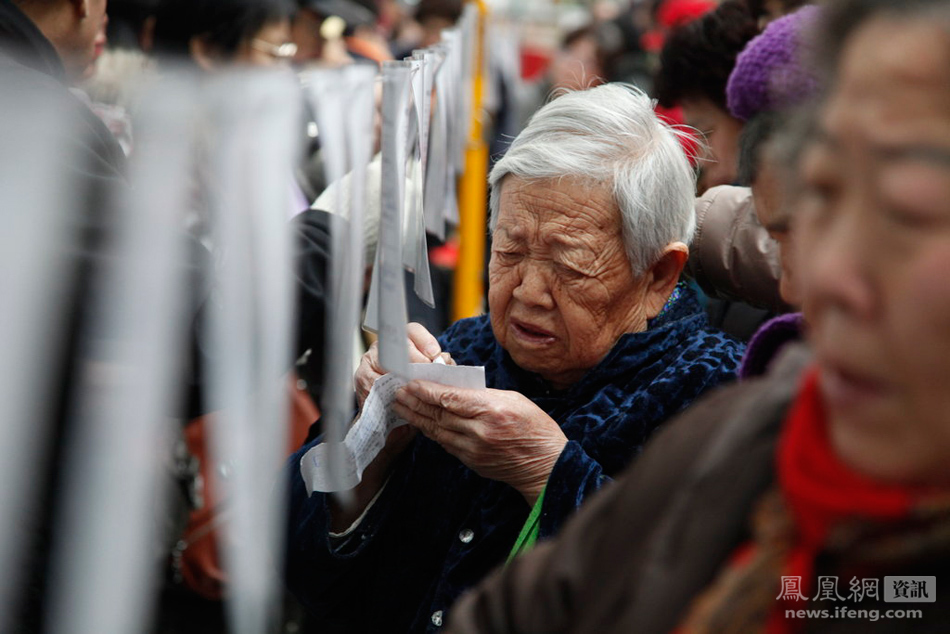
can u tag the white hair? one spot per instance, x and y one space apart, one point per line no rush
611 137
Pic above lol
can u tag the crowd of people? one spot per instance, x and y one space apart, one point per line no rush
713 341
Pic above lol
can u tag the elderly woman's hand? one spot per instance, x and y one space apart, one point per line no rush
499 434
423 348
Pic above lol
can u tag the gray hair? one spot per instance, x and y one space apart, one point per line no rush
611 137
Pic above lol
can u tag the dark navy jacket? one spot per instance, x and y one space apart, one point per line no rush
438 527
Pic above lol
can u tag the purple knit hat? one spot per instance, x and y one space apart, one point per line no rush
769 74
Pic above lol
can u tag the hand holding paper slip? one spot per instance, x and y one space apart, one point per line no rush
368 435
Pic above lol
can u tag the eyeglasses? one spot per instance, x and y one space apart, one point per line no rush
278 51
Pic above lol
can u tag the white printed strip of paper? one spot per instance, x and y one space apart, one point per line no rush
447 99
34 271
368 434
437 158
343 102
415 247
253 149
102 577
393 354
422 276
470 48
433 201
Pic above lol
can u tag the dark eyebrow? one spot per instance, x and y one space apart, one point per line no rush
779 226
934 154
938 156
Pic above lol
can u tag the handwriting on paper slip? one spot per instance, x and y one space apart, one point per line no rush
329 468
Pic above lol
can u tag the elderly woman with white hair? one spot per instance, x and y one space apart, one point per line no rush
590 343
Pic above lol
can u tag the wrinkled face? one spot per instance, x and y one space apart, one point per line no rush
719 165
561 287
874 241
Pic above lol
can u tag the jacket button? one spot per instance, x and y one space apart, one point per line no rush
466 535
437 618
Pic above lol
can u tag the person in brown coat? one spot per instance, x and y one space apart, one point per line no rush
816 499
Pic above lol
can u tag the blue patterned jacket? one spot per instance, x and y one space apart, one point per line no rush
438 527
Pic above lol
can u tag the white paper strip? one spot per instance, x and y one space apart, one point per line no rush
421 275
423 100
456 93
393 354
368 434
327 90
371 319
437 167
413 202
432 209
344 101
255 146
36 210
447 98
469 33
416 247
105 564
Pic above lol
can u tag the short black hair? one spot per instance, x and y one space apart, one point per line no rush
449 10
225 23
759 8
756 132
697 57
127 19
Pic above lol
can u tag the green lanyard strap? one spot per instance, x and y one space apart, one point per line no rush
530 530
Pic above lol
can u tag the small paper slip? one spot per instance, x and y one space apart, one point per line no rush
368 435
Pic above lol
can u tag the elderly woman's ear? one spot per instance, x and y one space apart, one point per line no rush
662 277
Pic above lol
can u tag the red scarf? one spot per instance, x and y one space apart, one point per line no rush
821 491
815 495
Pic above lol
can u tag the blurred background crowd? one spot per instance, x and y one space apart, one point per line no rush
680 52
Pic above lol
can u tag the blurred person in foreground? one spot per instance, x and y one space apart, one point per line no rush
808 489
590 343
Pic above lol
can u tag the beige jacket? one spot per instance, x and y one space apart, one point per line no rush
732 255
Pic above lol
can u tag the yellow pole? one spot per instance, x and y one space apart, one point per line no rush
469 288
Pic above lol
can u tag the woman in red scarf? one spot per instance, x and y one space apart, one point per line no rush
816 499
